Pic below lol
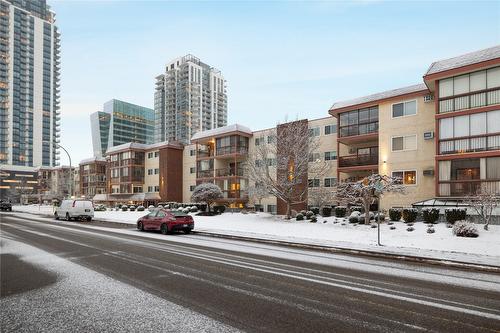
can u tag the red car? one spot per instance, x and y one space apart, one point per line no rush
166 221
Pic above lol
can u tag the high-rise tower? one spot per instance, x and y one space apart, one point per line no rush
189 97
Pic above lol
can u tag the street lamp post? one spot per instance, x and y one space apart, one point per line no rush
70 171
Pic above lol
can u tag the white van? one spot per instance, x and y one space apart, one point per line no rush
75 209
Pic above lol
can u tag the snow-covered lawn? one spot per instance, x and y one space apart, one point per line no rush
441 244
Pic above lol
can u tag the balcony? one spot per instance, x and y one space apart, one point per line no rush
469 101
358 160
204 153
235 195
470 144
461 188
228 172
221 151
205 174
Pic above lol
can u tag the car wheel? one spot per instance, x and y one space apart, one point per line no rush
164 229
89 219
10 209
187 231
140 226
56 216
67 217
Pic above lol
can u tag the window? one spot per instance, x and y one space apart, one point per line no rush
157 188
137 189
157 153
150 188
271 139
359 122
150 172
192 170
259 141
192 152
191 188
150 155
407 177
469 125
314 131
157 171
330 182
407 142
313 182
271 161
330 129
476 81
313 157
330 155
271 209
404 109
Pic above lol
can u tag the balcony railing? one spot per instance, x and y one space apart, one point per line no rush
205 153
358 160
234 194
205 173
231 150
358 129
471 144
228 172
461 188
470 100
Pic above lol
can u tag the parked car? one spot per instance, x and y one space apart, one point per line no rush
75 209
166 221
5 205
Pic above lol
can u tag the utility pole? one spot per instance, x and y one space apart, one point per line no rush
70 171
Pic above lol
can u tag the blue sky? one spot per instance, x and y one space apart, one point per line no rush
281 60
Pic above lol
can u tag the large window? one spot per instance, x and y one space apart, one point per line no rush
408 177
475 81
330 155
470 125
313 182
359 122
330 182
314 131
330 129
402 143
402 109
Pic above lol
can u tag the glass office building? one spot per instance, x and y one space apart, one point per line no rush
121 122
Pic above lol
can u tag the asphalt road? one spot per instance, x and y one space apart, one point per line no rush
257 292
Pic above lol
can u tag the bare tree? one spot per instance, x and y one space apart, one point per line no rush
258 192
321 196
484 203
283 163
366 191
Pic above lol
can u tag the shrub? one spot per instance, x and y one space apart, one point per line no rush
185 210
124 208
340 211
430 215
392 227
314 219
140 208
409 224
455 214
132 208
430 230
202 207
464 228
244 211
299 217
309 214
449 225
410 229
293 213
410 214
315 210
390 223
219 209
193 209
303 212
326 211
379 215
357 209
342 223
373 225
395 214
353 219
151 208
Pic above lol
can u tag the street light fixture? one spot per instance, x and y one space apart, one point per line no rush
70 171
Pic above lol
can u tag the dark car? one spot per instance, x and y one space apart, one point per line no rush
166 221
5 205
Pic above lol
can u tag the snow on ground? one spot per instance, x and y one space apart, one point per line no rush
83 300
442 244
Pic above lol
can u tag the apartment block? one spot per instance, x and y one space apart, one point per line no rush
55 183
190 97
93 177
121 122
29 84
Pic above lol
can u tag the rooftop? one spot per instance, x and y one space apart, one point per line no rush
139 146
379 96
92 159
464 60
221 131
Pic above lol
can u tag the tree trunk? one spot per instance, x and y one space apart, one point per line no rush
366 207
288 210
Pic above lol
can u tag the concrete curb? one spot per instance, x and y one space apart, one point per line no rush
375 254
332 249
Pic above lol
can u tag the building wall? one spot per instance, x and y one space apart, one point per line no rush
189 178
420 159
171 182
151 163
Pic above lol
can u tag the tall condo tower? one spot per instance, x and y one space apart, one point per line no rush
190 96
29 84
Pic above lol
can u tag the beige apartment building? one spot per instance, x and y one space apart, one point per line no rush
441 137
